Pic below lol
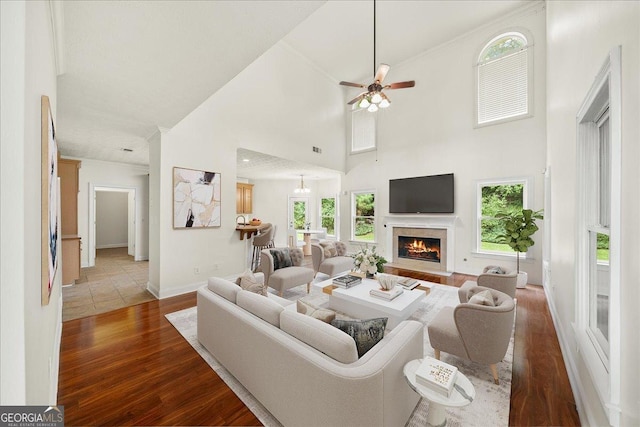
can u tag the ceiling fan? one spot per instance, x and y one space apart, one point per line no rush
374 97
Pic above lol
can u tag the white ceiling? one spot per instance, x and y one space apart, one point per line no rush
254 165
133 66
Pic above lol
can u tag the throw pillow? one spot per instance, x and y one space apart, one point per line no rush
281 258
483 298
316 312
366 333
329 249
249 282
496 270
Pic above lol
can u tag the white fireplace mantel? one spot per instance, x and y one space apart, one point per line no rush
447 222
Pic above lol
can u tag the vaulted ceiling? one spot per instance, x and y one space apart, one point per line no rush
131 67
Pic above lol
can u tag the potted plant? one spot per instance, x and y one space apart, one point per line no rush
519 226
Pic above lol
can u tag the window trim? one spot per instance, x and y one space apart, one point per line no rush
606 88
336 215
527 202
353 216
530 76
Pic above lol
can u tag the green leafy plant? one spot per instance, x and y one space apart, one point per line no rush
519 226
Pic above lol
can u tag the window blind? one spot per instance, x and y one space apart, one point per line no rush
503 87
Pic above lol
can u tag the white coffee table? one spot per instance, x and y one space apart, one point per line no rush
463 394
356 301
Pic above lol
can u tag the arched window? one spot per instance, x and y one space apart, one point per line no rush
504 77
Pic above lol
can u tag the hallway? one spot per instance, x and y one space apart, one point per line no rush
116 281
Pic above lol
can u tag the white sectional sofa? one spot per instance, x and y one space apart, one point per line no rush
275 353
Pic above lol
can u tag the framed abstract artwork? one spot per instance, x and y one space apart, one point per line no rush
196 198
49 200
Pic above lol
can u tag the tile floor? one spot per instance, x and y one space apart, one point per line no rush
116 281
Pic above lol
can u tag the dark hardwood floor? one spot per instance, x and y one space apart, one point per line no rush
131 367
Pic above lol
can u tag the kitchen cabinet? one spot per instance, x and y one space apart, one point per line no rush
244 198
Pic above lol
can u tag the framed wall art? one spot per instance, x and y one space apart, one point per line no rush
196 198
49 200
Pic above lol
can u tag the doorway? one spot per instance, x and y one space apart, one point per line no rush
113 223
298 212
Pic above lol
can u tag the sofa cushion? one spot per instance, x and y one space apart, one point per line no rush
252 283
319 313
281 258
483 298
265 308
336 265
365 333
319 335
329 249
224 288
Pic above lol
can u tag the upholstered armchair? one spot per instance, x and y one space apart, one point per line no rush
500 282
475 331
330 258
282 268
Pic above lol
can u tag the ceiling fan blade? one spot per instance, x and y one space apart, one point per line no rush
401 85
383 69
357 98
352 84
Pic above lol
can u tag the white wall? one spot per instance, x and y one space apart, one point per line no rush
111 219
265 108
97 173
580 35
429 130
30 331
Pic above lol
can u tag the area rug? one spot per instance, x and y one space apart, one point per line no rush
490 406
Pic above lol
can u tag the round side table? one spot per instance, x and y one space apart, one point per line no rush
463 393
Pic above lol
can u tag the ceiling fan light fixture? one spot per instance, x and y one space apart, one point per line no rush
364 103
384 103
376 98
372 108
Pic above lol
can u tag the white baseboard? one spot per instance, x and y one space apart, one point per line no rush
113 246
192 287
141 258
577 388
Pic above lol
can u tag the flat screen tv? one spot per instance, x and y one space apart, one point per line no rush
422 194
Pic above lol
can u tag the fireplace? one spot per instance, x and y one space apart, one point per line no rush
419 248
421 243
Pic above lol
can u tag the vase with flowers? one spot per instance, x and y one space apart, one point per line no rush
368 261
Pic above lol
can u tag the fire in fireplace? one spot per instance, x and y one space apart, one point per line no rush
419 248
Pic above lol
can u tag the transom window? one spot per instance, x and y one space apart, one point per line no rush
504 79
363 130
363 216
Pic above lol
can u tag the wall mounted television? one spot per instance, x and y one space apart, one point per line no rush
422 194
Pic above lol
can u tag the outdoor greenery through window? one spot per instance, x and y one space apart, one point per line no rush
497 198
328 214
363 216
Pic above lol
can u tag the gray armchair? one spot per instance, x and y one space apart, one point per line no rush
286 271
333 265
476 332
500 282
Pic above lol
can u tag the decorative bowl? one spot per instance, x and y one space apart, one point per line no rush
255 222
387 281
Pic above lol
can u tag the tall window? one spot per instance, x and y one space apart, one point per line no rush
363 216
328 215
504 78
494 197
363 130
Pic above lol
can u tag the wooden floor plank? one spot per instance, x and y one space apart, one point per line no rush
132 367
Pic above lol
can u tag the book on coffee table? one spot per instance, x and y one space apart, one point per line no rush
388 295
408 282
437 375
347 281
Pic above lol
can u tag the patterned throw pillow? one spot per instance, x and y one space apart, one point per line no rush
329 249
366 333
496 270
249 282
281 258
483 298
316 312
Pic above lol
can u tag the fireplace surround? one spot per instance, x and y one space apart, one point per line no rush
423 244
